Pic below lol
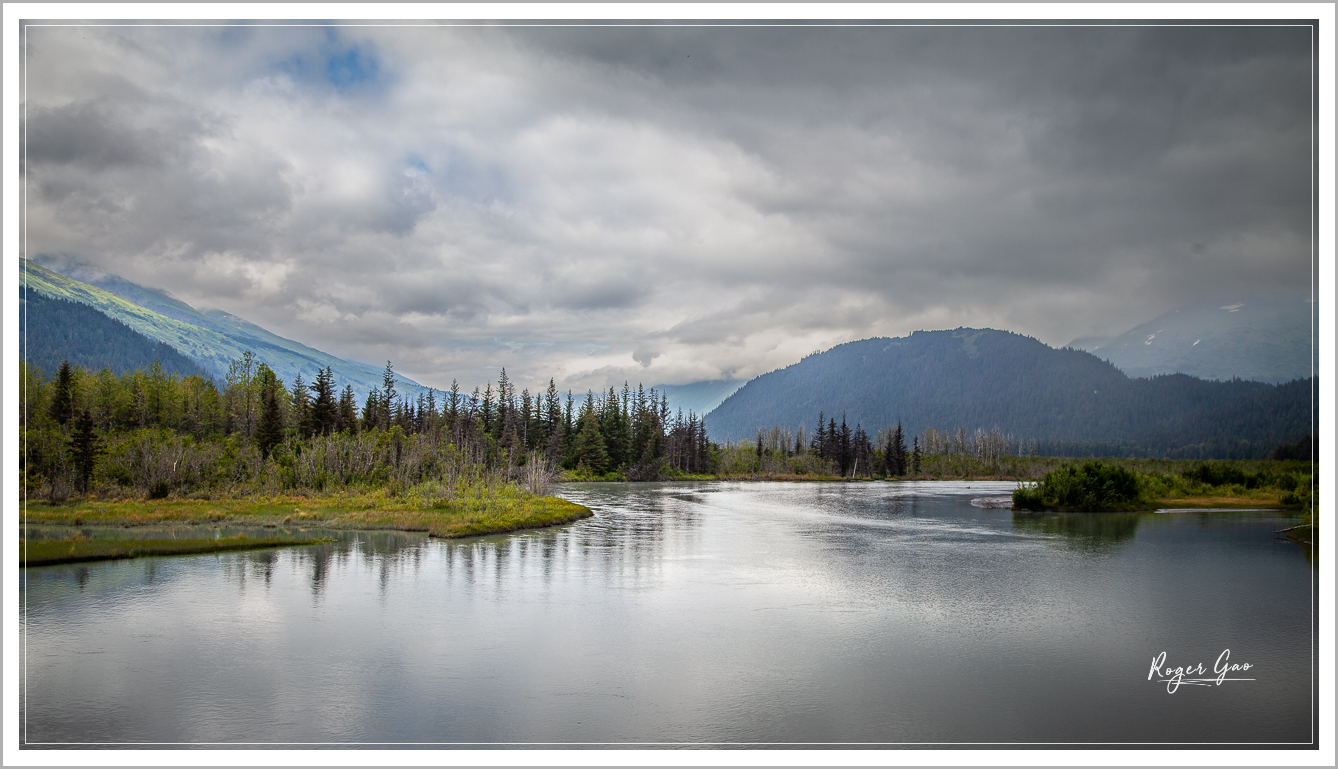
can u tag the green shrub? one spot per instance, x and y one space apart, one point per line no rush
1091 487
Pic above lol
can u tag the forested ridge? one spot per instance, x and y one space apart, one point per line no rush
1061 401
52 331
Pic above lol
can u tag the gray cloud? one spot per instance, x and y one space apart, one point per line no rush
669 203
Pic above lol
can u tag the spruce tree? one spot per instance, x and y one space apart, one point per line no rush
371 411
84 448
348 411
388 396
322 418
589 449
486 412
269 432
453 404
845 451
300 408
62 400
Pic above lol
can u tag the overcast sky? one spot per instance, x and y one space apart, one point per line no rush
670 204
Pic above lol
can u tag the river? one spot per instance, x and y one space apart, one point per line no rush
695 613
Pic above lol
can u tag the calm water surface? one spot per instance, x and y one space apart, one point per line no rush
693 613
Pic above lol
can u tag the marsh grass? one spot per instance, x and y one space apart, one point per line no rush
472 505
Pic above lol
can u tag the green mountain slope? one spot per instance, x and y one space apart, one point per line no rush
1067 401
52 331
212 341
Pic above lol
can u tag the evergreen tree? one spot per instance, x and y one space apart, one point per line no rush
269 431
300 408
589 449
527 417
505 404
371 410
389 397
845 454
84 448
453 405
348 411
915 456
62 400
553 432
487 414
322 418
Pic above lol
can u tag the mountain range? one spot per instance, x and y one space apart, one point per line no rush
1066 400
212 340
1267 339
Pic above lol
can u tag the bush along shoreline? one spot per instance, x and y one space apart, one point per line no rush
1104 486
1093 487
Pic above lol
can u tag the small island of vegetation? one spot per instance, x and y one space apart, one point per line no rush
1090 488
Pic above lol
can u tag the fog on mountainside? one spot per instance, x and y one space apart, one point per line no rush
1267 339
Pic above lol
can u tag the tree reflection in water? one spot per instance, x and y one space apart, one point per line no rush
1085 530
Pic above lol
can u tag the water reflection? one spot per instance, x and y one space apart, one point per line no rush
766 612
1086 530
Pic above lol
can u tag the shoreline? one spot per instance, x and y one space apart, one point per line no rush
459 519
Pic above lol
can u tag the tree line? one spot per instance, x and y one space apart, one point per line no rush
256 430
834 449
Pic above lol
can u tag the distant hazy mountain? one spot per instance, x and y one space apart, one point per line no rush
1264 339
1067 399
699 397
212 340
52 331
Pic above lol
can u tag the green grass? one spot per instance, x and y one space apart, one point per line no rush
74 550
478 510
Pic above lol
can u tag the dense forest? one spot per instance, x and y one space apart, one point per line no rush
157 433
1062 402
55 330
151 432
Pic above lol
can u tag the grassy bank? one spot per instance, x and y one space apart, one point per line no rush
77 549
426 508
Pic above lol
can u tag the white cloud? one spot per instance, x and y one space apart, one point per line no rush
669 204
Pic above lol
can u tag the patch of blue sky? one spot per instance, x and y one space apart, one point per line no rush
351 67
338 64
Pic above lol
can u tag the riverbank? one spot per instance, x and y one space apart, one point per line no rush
503 509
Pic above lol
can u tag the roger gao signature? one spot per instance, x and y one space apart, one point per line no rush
1175 677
